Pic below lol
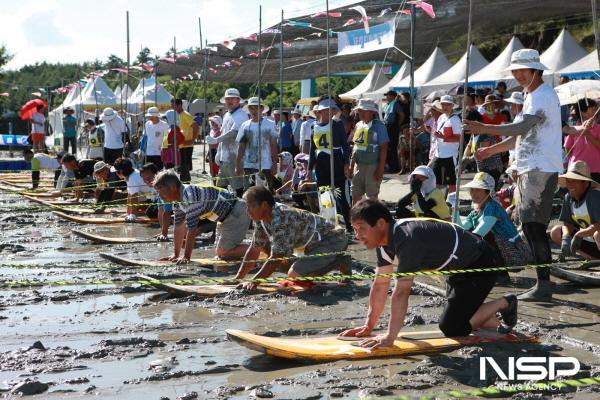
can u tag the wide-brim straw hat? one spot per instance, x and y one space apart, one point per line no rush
580 171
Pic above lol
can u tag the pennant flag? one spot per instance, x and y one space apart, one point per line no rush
266 49
363 16
351 21
324 13
214 71
183 56
407 12
287 44
254 54
271 30
227 63
42 90
38 94
123 70
383 12
426 7
168 59
148 67
299 24
236 62
300 38
230 44
253 37
4 94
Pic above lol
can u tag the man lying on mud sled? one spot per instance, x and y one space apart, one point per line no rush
279 230
416 244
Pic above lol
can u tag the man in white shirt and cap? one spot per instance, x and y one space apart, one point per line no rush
154 130
537 141
448 141
227 151
114 132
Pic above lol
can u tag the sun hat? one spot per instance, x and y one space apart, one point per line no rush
489 99
447 99
515 98
153 112
391 93
68 108
296 111
108 114
437 106
525 58
99 166
254 101
231 92
482 180
325 104
580 171
301 157
367 105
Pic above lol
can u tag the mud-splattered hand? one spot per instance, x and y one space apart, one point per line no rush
161 238
484 153
248 286
472 127
377 341
361 331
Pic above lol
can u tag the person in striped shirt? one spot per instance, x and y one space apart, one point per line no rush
194 207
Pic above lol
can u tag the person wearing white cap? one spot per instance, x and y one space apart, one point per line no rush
322 141
579 231
257 145
115 132
155 130
227 151
306 129
448 140
426 199
430 125
369 152
537 140
488 217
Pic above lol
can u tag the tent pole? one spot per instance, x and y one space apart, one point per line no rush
128 54
413 95
596 35
258 89
205 114
281 66
329 110
464 115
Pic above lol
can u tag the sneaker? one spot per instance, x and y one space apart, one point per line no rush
509 315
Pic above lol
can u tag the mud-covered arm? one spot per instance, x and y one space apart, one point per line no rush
514 129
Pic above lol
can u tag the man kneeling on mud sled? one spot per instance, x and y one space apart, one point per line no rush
416 244
279 230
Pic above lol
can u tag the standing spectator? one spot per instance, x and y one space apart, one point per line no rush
538 159
190 130
392 119
296 124
257 145
369 152
215 122
69 130
448 131
306 130
406 143
94 139
38 131
155 131
430 126
583 141
286 135
228 147
500 90
114 133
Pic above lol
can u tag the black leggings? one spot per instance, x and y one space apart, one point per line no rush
467 292
536 236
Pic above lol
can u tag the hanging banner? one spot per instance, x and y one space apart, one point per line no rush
359 41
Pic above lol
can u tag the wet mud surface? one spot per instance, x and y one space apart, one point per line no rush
129 341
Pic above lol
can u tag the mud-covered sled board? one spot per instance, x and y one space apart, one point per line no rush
102 220
70 207
332 348
110 240
588 273
216 290
199 262
52 202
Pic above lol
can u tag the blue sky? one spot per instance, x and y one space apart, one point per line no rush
73 31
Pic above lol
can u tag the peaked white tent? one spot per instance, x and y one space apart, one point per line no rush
149 94
125 93
117 90
95 96
434 66
456 74
564 51
495 70
374 80
586 67
401 74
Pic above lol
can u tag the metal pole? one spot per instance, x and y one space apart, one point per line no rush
258 89
205 114
176 151
595 20
128 59
281 66
413 96
331 162
464 114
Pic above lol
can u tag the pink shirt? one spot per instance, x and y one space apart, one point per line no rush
580 148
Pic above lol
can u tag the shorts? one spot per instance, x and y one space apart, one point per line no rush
534 194
232 231
467 292
444 170
38 137
335 242
363 182
227 176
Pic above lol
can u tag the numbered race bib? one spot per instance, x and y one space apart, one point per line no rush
322 140
360 139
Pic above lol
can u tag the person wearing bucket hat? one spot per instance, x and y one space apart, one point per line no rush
69 130
537 140
115 132
429 124
306 129
323 142
155 131
490 220
448 131
579 231
369 152
257 146
228 147
426 199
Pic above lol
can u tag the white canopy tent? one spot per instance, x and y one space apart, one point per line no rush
374 80
496 70
396 79
586 67
564 51
434 66
456 74
95 96
148 94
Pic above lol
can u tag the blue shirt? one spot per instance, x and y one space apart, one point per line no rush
503 228
69 131
286 136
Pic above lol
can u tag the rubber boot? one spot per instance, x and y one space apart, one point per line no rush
542 291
